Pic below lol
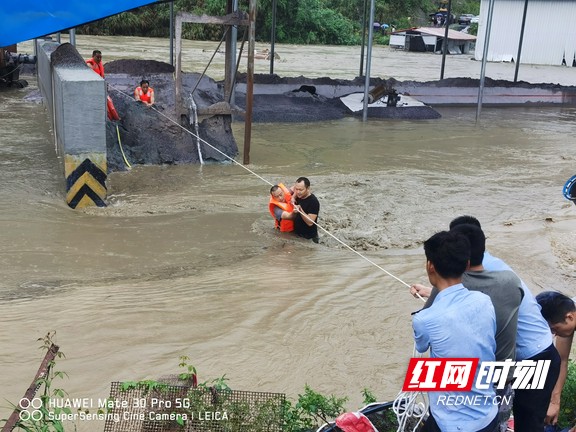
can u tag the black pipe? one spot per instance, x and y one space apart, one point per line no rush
445 46
520 42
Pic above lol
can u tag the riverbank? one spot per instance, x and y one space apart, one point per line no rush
314 61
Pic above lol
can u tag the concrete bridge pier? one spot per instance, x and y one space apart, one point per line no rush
75 98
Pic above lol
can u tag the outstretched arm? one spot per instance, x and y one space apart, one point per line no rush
563 345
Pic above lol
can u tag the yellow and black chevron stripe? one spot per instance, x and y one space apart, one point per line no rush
85 181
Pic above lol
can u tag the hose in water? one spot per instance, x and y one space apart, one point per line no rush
121 149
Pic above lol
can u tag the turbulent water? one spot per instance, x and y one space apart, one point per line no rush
184 261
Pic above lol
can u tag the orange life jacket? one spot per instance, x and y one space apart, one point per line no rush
283 225
96 67
144 97
111 110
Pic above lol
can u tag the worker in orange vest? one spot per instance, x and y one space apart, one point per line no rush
96 63
144 93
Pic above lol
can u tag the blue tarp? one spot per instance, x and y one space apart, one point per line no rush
21 20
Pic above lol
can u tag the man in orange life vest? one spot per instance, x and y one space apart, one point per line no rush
281 208
144 93
96 63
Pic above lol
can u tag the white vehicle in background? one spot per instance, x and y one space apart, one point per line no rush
465 19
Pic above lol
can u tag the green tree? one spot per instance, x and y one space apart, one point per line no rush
331 22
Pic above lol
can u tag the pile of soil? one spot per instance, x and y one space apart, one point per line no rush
137 67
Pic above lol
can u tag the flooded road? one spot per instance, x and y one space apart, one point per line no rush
184 261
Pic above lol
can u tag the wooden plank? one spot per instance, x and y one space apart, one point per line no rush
31 391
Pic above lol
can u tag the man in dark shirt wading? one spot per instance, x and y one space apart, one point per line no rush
307 208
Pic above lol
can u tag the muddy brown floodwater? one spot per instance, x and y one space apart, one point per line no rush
184 261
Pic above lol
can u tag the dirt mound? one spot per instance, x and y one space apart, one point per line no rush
138 67
297 81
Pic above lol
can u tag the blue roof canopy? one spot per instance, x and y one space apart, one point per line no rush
21 20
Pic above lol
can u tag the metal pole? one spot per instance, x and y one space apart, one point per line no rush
445 44
363 38
272 37
72 36
233 44
249 80
520 41
484 57
172 33
368 63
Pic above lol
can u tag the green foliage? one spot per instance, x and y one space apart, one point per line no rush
190 370
330 22
147 386
466 7
567 417
48 420
368 397
311 410
218 384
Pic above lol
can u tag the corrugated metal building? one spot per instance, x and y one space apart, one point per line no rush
549 33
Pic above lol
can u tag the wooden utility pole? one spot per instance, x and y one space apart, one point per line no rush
249 80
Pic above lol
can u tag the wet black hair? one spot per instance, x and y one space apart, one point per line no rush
477 241
144 82
305 180
449 252
555 306
96 52
465 220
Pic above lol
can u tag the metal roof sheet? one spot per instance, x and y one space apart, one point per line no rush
549 33
440 31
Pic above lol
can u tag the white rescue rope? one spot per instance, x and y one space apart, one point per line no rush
198 138
409 405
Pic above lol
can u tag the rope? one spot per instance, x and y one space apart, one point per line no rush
199 139
238 62
12 71
210 61
407 406
195 109
121 149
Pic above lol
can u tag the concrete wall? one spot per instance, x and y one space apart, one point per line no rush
75 98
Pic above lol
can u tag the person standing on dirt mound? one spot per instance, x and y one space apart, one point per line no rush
144 93
96 63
